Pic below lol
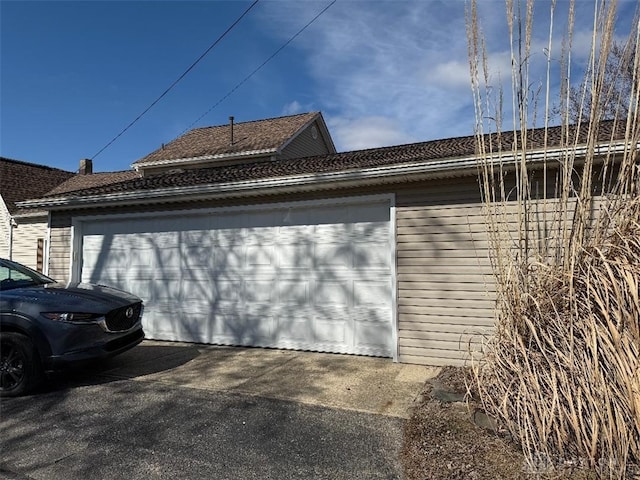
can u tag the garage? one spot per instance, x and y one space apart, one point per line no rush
312 276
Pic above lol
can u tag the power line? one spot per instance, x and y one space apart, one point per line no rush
184 74
259 68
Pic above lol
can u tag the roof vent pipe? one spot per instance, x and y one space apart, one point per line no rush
231 128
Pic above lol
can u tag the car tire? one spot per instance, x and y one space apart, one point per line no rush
20 370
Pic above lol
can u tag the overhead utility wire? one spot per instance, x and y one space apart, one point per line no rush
184 74
257 69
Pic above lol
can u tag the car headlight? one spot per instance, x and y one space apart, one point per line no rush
72 317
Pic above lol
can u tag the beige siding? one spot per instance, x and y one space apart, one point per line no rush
445 285
304 145
4 229
25 240
60 246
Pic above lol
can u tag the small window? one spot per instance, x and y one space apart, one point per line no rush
40 255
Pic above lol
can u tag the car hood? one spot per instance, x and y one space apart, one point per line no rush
75 297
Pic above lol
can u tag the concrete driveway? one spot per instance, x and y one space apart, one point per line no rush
365 384
170 410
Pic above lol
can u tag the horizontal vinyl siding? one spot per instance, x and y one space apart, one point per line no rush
60 246
4 230
304 145
445 283
25 241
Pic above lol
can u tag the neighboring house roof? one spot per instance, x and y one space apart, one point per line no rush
438 158
21 181
93 180
245 139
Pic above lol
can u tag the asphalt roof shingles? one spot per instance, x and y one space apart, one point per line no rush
93 180
23 181
339 162
259 135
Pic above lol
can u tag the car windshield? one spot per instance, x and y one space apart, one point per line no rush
14 275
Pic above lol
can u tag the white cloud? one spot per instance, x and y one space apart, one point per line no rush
366 132
396 71
450 74
292 108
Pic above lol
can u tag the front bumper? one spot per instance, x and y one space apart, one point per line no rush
101 351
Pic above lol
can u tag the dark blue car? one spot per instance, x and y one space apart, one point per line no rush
45 325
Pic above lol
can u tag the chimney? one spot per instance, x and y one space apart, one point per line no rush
86 166
231 128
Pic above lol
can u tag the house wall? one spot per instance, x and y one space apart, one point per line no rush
304 145
444 286
25 241
4 230
60 246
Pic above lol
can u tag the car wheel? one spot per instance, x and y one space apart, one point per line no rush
19 366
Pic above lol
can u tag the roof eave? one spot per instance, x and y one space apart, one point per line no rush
406 172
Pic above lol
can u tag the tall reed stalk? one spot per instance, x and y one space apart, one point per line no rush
562 203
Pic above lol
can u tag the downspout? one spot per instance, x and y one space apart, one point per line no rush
12 224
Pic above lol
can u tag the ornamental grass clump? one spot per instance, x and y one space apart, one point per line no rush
562 371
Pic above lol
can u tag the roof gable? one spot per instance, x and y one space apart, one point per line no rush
243 140
21 181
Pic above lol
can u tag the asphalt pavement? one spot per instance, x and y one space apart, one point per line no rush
156 422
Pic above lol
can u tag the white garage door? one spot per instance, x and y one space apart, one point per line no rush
304 277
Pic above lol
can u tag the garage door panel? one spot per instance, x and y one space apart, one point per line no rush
229 292
165 290
332 293
197 290
229 257
306 277
253 328
259 291
295 255
247 329
291 327
327 331
197 238
167 256
371 292
194 257
140 257
330 233
293 292
261 255
162 240
224 237
371 255
177 324
334 255
260 236
293 232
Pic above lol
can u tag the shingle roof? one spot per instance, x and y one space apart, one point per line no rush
23 181
93 180
270 135
340 162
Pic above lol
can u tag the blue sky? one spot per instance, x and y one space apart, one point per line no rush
74 74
